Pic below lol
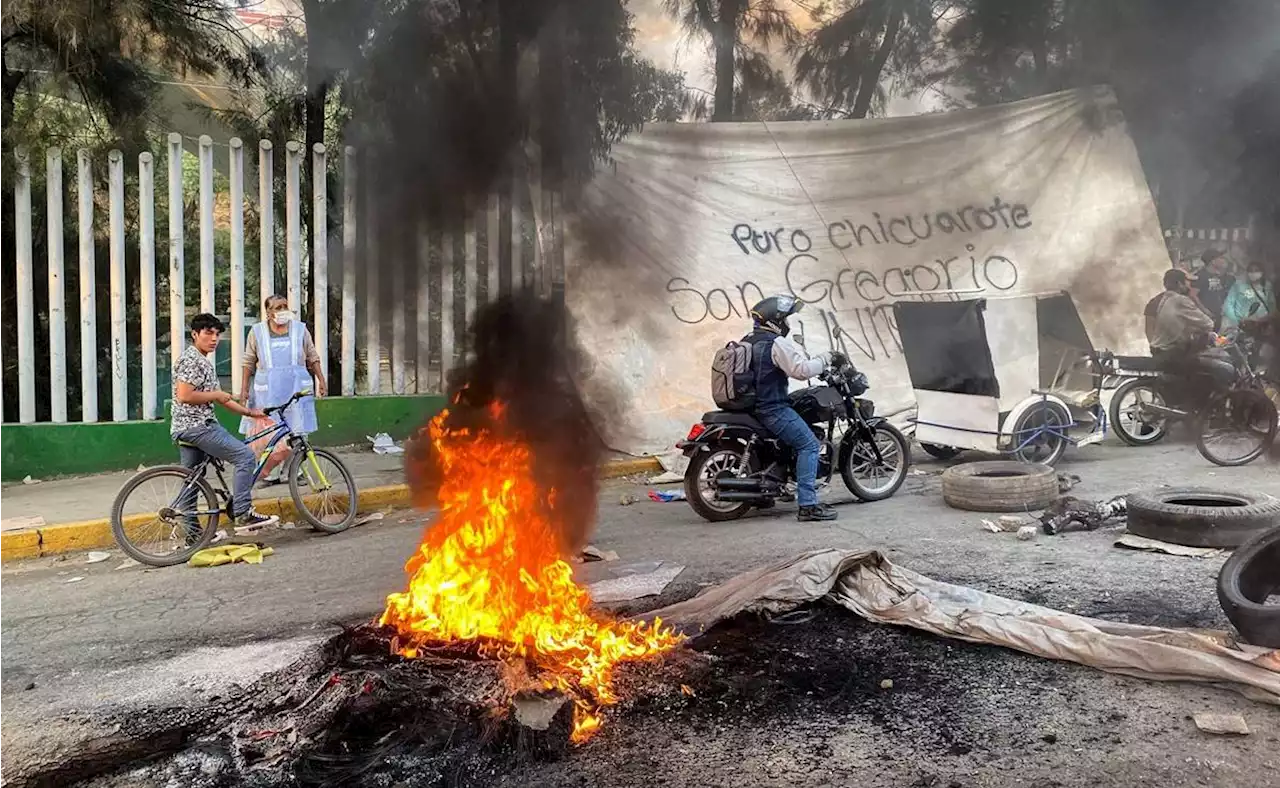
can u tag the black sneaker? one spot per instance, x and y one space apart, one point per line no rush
253 518
820 512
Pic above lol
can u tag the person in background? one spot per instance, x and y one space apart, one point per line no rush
1179 331
280 359
1252 289
1211 283
195 390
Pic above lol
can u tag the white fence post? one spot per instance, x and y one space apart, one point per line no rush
446 308
373 317
88 295
293 223
422 374
57 289
236 163
495 248
206 226
398 325
26 288
518 279
320 254
177 273
147 279
266 222
471 280
119 340
349 271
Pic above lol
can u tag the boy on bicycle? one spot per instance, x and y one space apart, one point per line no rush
195 390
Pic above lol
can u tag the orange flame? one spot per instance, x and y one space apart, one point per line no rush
489 571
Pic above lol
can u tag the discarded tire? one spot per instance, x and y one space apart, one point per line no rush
1201 517
1249 577
999 486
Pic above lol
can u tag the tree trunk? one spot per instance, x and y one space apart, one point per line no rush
726 39
868 82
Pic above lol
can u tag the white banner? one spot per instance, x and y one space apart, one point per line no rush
695 223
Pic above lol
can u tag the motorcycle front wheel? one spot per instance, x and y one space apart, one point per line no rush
872 479
704 468
1237 427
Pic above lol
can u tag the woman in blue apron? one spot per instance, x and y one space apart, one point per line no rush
280 359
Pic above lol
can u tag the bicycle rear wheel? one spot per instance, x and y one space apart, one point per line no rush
149 524
331 499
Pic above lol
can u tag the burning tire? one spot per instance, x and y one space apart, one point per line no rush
1200 517
999 486
1248 579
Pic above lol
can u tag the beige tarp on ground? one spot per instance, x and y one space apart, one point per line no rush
691 224
866 583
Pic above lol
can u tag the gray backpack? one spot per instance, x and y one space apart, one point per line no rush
733 381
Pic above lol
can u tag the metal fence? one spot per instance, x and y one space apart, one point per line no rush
469 271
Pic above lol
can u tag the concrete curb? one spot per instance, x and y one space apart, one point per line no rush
94 534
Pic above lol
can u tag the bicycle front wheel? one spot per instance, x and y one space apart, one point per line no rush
164 515
330 500
1237 427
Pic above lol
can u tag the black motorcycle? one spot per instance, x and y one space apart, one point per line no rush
1235 424
736 464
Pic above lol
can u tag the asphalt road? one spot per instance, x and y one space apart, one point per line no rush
67 642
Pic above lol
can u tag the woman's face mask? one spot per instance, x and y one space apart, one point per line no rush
1255 276
282 317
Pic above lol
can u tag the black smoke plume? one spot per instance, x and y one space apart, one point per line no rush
526 357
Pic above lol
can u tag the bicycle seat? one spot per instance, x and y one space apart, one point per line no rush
1138 363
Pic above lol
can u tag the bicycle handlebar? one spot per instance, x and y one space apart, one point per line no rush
278 408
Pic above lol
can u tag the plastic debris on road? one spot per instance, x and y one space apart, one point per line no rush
627 586
96 557
666 496
383 444
230 554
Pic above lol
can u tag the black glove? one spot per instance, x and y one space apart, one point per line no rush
839 359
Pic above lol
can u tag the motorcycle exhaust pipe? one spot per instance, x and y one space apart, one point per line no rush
739 485
741 496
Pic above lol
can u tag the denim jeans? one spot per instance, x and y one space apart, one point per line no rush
214 440
787 426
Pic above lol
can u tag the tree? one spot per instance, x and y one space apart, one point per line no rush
107 53
846 61
735 28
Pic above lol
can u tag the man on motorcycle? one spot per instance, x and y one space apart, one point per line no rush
1180 332
774 359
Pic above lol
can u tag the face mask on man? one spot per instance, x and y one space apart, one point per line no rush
1255 276
282 317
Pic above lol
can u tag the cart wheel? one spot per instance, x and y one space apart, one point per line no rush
1041 433
940 452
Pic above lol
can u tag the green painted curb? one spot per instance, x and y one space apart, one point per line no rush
92 534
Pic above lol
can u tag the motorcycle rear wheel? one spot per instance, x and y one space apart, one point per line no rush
704 467
1247 413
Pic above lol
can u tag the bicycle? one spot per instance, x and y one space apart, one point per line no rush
191 527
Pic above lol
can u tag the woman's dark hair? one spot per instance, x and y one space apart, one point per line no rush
1255 265
266 302
205 321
